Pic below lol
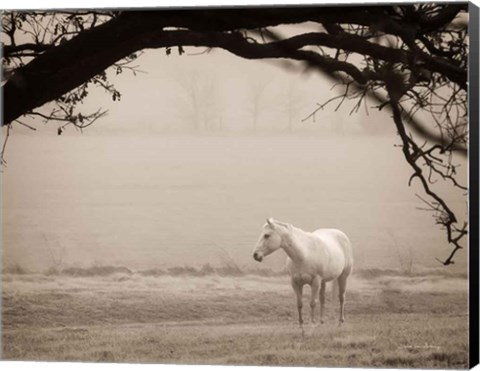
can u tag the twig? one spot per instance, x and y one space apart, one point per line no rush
3 162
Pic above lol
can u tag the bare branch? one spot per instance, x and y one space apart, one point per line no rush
3 162
443 214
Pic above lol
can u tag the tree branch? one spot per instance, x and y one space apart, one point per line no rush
8 50
66 66
445 215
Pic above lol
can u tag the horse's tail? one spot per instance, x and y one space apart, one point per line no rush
347 251
334 289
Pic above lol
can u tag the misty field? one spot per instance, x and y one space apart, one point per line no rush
203 316
192 208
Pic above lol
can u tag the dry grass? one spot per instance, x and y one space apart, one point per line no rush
393 321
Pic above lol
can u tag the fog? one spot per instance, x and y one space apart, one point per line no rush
184 170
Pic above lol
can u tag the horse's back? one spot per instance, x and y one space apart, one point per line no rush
337 239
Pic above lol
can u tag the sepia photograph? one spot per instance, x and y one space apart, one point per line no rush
251 185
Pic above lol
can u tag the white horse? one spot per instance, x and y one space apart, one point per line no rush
313 258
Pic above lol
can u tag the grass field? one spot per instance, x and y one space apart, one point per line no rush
201 317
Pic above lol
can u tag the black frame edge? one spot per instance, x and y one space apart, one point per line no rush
473 109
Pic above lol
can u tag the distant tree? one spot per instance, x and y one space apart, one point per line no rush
257 100
410 59
293 102
201 106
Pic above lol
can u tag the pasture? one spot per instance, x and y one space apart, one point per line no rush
200 316
183 214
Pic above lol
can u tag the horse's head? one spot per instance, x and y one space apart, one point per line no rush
270 239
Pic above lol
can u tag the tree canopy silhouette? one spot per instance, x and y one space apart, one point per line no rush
409 59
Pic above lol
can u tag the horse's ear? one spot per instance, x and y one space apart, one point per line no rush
270 222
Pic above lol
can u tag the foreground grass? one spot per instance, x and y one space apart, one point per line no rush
392 322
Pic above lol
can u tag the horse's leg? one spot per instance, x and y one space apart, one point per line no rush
342 287
313 301
322 300
298 288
